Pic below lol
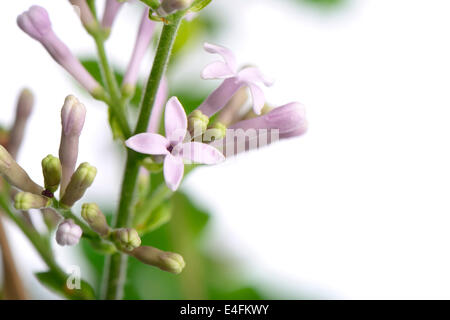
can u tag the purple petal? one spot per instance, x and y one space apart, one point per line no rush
217 70
258 98
226 54
148 143
160 101
35 22
201 153
173 171
254 75
175 121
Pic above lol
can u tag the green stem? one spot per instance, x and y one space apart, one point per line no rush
111 83
36 240
115 270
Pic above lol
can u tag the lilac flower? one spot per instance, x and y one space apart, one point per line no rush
112 7
85 13
36 23
234 79
281 123
68 233
142 41
172 146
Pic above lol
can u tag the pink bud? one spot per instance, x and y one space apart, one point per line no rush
68 233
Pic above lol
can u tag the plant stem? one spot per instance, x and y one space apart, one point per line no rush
115 267
111 83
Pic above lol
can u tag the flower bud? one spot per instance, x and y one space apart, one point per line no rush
166 261
91 213
85 13
126 239
51 169
73 114
171 6
81 180
15 174
112 7
215 132
26 201
197 123
68 233
23 111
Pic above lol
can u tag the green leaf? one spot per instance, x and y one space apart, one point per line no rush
199 5
58 284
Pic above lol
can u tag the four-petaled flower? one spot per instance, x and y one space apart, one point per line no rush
228 69
173 147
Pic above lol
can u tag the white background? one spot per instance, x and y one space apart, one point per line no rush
357 208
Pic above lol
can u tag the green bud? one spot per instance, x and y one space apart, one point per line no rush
126 239
197 123
26 201
51 169
95 218
128 90
15 174
215 132
81 179
166 261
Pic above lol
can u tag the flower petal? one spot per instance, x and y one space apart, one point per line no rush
149 143
258 98
173 171
217 70
201 153
175 121
253 75
226 54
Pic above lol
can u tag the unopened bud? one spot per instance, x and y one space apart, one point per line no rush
51 169
23 111
15 174
95 218
216 132
73 114
166 261
171 6
26 201
197 123
126 239
68 233
82 179
85 13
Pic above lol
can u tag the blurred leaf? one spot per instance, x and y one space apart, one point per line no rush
158 218
58 284
323 3
190 99
199 5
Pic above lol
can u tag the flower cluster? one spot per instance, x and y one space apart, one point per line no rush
234 118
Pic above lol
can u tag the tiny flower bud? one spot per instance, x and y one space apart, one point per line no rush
197 123
85 13
82 179
23 111
171 6
166 261
68 233
51 169
215 132
126 239
73 114
26 201
15 174
95 218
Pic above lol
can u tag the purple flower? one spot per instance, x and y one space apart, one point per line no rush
68 233
142 41
85 13
173 147
234 79
112 7
36 23
281 123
